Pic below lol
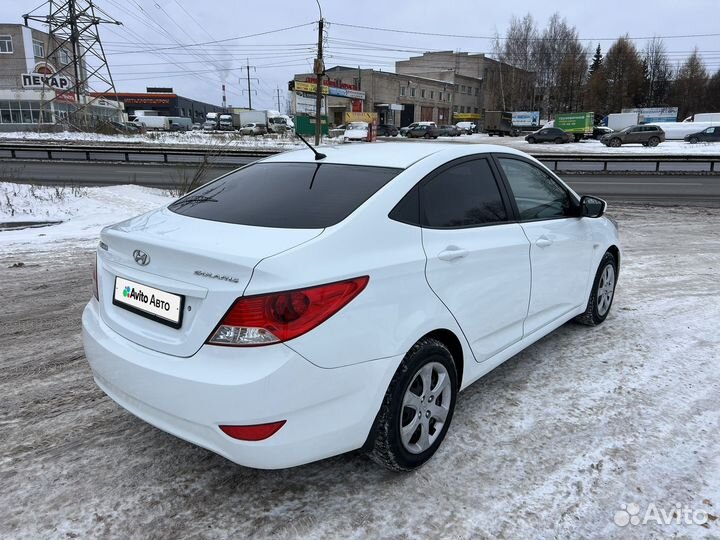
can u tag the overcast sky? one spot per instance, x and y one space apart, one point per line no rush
169 25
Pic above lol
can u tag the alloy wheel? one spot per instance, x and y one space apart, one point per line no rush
605 290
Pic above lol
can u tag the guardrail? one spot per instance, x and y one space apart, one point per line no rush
565 163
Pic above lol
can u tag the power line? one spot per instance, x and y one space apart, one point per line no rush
463 36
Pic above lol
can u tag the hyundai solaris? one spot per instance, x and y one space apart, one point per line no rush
308 305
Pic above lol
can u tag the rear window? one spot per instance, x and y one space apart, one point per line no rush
286 195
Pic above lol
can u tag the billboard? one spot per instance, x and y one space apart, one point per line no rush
526 118
650 115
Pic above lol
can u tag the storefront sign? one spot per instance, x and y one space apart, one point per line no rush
40 80
309 88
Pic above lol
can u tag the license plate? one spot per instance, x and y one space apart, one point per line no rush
160 306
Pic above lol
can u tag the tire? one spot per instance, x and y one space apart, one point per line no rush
531 140
693 140
426 136
615 143
390 448
653 141
559 140
599 304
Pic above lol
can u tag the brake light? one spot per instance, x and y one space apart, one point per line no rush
276 317
96 292
258 432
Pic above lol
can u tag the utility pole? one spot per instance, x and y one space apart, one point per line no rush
319 71
277 90
249 90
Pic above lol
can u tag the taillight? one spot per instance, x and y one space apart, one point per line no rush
275 317
96 292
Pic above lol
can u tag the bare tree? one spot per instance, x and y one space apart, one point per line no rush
517 49
658 73
690 84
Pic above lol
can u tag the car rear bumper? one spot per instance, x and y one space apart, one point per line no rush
327 411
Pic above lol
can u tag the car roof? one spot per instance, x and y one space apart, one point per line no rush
388 154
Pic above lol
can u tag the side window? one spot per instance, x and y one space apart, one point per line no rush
537 195
463 195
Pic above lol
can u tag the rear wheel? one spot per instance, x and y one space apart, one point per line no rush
417 409
615 143
693 140
602 293
559 140
654 141
531 140
427 136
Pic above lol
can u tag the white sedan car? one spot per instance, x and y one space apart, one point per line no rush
301 306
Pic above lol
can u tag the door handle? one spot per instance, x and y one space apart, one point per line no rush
451 253
543 242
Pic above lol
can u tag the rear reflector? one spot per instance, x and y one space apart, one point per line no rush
275 317
257 432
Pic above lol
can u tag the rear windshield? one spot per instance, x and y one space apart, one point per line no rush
286 195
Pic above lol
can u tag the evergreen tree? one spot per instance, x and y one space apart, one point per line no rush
596 61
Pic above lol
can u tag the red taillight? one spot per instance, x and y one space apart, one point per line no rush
96 293
275 317
257 432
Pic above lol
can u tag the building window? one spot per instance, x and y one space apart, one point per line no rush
477 91
432 94
422 92
455 108
402 91
64 56
6 44
412 92
462 89
440 96
38 48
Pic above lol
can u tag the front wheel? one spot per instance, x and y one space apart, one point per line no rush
417 409
602 293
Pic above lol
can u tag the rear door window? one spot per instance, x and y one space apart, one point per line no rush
463 195
286 195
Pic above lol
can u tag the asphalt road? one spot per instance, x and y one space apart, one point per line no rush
668 188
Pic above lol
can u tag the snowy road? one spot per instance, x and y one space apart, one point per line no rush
549 445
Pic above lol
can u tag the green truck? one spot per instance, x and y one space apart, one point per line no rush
579 125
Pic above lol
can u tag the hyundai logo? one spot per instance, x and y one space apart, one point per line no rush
142 258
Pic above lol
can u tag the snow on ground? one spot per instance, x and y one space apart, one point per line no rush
82 210
188 138
549 445
232 140
589 146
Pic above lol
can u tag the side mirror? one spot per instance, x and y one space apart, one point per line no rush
592 207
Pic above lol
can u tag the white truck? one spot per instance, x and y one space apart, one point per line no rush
212 121
180 123
678 130
147 122
704 117
618 121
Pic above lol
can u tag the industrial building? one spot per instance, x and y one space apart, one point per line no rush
165 102
444 87
34 83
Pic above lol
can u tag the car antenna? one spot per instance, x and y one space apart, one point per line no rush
318 155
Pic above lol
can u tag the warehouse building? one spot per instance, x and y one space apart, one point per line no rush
165 102
34 83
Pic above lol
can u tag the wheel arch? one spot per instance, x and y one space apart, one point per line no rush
616 253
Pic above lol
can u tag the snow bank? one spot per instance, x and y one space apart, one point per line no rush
83 212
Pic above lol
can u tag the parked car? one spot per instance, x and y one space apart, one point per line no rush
466 128
196 126
337 131
277 325
449 131
357 131
550 134
711 134
253 129
423 132
647 135
404 130
599 131
387 130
